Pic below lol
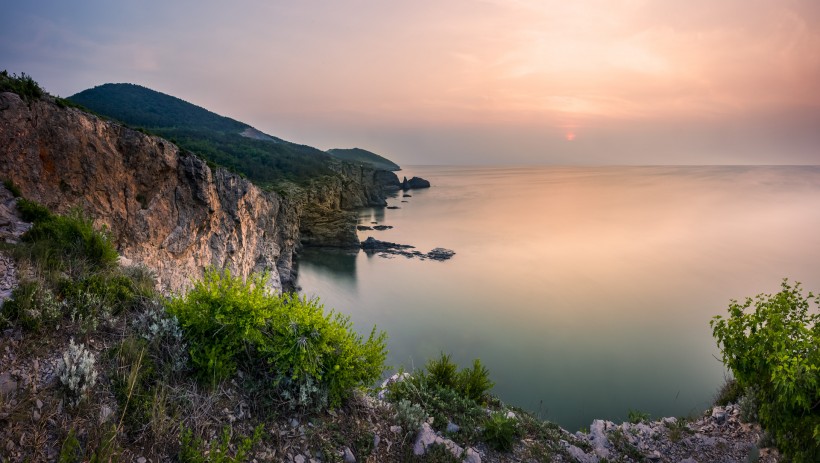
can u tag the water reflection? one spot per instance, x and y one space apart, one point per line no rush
334 264
586 291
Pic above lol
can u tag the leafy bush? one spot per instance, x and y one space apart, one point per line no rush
289 337
501 431
66 239
32 305
113 290
772 343
22 85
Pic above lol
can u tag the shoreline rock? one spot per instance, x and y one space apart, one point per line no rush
414 183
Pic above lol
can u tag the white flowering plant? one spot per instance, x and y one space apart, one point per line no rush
77 372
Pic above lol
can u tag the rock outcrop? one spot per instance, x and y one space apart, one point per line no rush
414 183
166 208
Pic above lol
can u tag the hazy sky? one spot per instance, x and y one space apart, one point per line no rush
458 81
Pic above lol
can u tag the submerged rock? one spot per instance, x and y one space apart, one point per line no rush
382 227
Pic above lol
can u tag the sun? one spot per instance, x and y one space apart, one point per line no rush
570 136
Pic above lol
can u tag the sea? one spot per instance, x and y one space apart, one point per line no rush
586 291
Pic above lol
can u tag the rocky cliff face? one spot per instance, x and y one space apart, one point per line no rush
167 209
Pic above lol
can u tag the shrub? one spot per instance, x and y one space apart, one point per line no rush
729 393
67 239
475 382
32 304
23 85
442 371
289 337
637 416
195 450
31 211
409 415
77 372
772 343
501 431
13 188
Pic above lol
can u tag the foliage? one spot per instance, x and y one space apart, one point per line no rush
442 371
729 393
32 211
77 372
748 405
194 450
475 382
772 343
227 320
67 239
13 188
22 85
471 382
443 403
410 416
32 304
360 156
501 431
265 160
113 291
637 416
71 451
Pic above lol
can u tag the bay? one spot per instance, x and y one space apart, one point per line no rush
586 291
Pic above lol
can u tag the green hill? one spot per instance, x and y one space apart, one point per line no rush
363 156
264 159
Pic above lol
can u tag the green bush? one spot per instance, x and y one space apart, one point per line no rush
475 382
772 343
22 85
114 290
442 371
195 450
227 320
13 188
637 416
501 431
32 305
66 239
32 211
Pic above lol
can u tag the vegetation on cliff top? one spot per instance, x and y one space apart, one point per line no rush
361 156
215 138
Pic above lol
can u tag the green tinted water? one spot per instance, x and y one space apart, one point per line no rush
586 291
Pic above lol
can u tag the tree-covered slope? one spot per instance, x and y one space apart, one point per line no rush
359 155
219 139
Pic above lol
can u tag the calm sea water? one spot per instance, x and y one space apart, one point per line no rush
587 292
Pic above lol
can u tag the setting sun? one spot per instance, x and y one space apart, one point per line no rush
570 136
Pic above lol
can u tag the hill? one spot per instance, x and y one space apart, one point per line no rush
359 155
265 159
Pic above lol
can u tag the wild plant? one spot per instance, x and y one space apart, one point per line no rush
77 372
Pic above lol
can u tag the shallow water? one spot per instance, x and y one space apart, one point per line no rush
587 292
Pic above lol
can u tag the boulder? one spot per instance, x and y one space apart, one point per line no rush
414 183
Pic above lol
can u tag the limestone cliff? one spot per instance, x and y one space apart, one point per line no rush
165 208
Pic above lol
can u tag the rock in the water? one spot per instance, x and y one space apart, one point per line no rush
415 182
406 196
363 227
393 207
440 254
374 245
382 227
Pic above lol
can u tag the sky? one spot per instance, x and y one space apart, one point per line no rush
582 82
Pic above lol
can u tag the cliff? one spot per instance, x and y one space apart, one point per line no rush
166 208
